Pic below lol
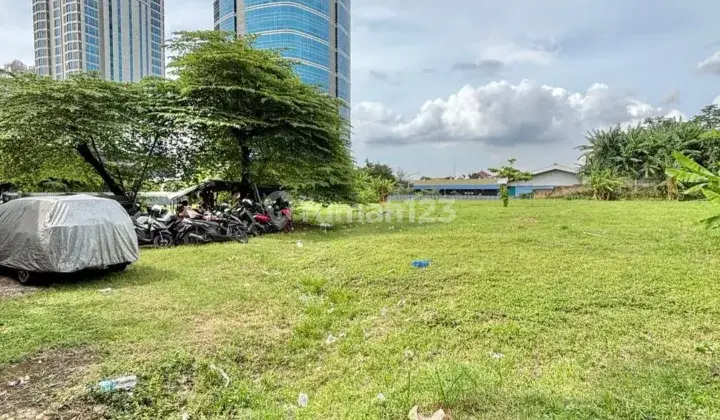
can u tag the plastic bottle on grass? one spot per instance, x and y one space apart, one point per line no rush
122 383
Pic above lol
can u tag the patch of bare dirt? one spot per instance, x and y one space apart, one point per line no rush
10 287
216 329
38 387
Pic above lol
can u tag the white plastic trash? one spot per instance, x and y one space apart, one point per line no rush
122 383
303 400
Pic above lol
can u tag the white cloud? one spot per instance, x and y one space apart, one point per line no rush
513 53
503 114
717 100
711 64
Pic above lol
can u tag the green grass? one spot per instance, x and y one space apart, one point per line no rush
545 309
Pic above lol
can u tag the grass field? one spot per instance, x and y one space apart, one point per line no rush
546 309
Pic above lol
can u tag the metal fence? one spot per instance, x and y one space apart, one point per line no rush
441 197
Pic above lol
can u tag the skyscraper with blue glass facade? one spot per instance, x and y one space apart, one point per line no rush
314 33
120 39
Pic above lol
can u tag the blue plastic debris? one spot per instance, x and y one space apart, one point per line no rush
421 263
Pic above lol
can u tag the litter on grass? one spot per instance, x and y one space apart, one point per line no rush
303 400
421 263
222 373
121 383
19 381
415 415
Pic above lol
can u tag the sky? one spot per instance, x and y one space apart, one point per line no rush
452 87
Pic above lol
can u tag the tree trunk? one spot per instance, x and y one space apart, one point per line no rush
672 189
246 182
138 183
246 189
84 150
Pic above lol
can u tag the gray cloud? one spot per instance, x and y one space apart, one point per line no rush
428 71
710 65
672 97
379 75
385 77
487 67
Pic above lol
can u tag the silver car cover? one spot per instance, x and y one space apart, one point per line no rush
65 234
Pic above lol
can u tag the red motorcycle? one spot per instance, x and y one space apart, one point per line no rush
275 218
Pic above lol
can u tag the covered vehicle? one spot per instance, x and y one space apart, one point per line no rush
65 234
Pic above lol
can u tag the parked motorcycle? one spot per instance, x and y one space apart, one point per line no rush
276 217
152 228
246 213
200 231
230 224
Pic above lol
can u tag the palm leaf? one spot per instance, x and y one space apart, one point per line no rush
685 176
694 167
712 222
711 195
694 190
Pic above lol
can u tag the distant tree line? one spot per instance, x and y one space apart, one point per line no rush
640 154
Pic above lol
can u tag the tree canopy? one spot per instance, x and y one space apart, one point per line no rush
257 120
512 174
379 170
644 151
88 130
234 112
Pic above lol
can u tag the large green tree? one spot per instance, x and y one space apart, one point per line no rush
123 132
256 120
379 170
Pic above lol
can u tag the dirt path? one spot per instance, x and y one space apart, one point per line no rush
37 388
10 287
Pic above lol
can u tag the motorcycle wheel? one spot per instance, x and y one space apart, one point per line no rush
193 237
239 235
24 277
163 240
254 230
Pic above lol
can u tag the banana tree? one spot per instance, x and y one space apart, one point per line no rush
691 172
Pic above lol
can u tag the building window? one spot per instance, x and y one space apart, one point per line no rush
298 47
286 17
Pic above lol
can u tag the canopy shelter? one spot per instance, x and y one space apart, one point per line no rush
208 190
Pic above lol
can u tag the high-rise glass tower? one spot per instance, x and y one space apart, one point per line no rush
120 39
315 33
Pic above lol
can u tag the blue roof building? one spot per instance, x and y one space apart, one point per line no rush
543 179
